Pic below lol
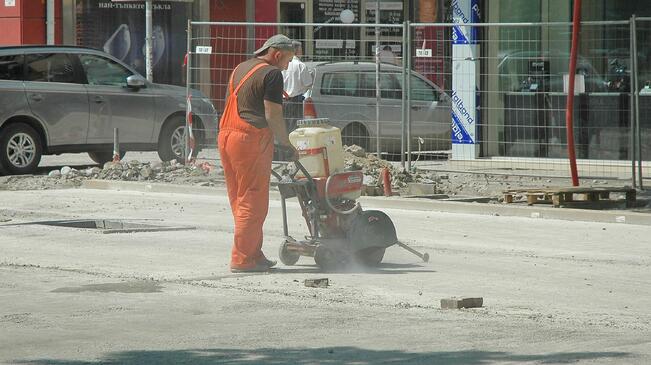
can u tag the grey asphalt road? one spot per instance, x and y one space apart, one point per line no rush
555 292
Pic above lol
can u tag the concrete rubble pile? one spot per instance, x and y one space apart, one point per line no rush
355 158
429 182
204 174
416 182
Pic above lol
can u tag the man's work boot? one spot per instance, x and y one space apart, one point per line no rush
259 267
269 263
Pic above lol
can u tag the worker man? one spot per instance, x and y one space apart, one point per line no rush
297 81
253 116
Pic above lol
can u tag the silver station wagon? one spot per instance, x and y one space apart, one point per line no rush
59 99
345 93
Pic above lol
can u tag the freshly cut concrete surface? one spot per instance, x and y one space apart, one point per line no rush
554 291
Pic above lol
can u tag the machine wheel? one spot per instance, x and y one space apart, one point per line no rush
328 259
287 257
371 256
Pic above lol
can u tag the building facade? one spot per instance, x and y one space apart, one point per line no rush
519 79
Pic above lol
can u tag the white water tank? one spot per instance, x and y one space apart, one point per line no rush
322 153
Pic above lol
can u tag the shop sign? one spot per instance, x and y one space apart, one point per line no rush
329 10
390 13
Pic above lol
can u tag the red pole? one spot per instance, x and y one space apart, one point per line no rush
569 111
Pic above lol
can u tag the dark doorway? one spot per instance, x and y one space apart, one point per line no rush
293 12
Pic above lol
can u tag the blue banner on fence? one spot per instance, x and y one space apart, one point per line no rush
459 134
464 12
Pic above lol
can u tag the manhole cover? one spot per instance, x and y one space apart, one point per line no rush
107 226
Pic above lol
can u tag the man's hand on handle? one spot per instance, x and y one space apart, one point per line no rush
292 152
274 115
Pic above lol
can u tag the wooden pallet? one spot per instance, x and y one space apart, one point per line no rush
560 196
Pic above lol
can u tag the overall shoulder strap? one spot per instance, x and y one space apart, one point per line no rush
247 76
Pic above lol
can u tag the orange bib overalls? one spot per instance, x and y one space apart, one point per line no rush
246 153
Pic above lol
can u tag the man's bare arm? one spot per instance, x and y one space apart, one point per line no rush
273 112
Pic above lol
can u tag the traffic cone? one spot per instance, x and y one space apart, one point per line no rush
308 109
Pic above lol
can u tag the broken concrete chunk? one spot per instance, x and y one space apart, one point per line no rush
145 172
421 189
355 150
317 283
458 303
65 170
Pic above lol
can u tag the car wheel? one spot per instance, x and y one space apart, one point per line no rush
103 157
20 149
172 141
355 134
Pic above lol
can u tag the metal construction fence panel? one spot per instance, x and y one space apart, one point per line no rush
508 88
485 98
642 78
341 60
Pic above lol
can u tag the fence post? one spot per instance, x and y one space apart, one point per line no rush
116 145
405 30
636 92
633 101
378 96
408 49
188 102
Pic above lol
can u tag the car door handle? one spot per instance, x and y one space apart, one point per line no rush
98 99
36 97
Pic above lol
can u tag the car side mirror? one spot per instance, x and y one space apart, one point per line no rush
135 82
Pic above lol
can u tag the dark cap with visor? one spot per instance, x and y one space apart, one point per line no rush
279 41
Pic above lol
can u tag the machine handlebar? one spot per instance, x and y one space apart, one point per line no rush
299 167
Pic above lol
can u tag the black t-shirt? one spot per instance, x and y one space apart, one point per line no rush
265 84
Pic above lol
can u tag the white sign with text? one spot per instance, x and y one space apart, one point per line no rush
423 52
203 50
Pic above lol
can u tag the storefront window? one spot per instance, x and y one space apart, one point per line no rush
118 28
527 113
